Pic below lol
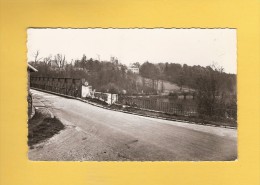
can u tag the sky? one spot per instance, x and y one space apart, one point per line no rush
185 46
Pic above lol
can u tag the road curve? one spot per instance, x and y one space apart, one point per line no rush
96 134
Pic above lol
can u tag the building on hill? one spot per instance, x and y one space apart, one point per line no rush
133 69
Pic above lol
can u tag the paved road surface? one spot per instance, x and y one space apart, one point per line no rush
93 133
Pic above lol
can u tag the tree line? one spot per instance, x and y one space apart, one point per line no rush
213 87
100 73
188 76
105 76
215 90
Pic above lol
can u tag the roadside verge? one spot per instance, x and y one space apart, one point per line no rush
42 126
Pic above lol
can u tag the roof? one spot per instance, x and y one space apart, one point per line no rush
31 68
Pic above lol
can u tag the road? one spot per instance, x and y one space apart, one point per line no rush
96 134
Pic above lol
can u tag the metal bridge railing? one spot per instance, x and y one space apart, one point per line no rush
153 104
66 86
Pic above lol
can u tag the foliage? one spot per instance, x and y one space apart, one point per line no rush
108 76
110 88
214 89
211 99
149 70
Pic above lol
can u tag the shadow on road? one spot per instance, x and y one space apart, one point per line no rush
41 127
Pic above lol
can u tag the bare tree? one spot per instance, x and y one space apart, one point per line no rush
47 60
36 55
60 60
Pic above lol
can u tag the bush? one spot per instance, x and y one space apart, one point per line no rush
173 95
110 88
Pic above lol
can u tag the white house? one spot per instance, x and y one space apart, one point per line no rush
133 68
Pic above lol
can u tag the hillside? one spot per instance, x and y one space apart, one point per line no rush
163 86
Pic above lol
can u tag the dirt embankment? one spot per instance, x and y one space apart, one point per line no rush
41 127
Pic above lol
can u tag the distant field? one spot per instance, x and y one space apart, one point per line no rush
167 86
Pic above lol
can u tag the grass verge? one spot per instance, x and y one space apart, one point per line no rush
199 120
42 127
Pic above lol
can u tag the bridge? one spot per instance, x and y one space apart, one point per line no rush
66 86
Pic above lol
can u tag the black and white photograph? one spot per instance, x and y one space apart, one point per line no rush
132 94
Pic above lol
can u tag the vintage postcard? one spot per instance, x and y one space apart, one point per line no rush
129 92
132 94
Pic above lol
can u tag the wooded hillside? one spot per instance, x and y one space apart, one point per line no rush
113 76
